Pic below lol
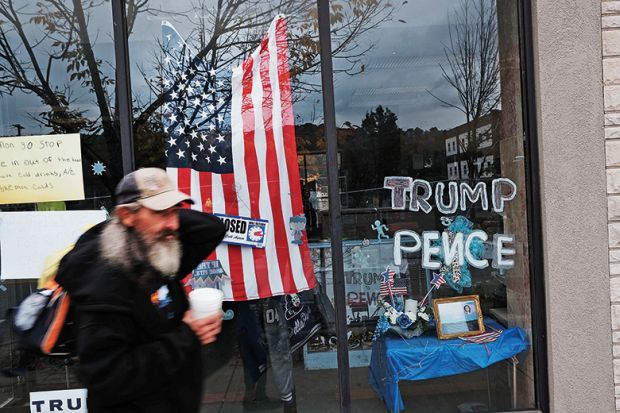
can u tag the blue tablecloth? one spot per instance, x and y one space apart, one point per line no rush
425 357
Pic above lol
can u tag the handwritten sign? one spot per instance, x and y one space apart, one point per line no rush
40 168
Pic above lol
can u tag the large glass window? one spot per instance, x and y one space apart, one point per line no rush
431 159
56 79
431 174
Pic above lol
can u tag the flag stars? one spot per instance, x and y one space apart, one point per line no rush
201 146
194 157
211 148
194 134
211 127
172 141
180 154
220 138
212 72
221 160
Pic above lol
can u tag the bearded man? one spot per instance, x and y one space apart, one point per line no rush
138 344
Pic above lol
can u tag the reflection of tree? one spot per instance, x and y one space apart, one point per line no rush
373 150
37 41
473 72
34 42
380 148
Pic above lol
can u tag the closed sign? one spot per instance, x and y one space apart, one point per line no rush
73 401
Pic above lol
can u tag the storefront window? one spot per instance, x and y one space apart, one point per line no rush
431 175
56 81
431 158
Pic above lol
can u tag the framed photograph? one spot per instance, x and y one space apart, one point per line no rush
458 316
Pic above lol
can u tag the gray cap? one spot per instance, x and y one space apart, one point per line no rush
150 187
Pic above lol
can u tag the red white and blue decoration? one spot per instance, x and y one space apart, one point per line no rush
403 317
231 146
458 276
437 281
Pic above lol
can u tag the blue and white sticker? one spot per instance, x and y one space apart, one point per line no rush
244 231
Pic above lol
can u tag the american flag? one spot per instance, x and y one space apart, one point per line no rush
231 146
389 284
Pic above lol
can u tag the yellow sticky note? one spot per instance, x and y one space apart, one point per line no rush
41 169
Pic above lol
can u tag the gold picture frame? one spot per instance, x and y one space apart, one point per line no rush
458 316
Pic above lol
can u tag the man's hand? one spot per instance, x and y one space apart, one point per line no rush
207 328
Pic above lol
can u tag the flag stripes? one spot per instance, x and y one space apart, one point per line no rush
264 182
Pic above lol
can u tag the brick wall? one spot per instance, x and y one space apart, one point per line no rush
611 86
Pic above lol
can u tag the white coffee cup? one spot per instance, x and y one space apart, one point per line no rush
205 301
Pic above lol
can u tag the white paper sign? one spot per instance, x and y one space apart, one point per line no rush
73 400
27 238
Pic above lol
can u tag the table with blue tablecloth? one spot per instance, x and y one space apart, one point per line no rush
394 358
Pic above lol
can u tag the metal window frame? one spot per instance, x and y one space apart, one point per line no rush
123 84
534 206
537 293
335 210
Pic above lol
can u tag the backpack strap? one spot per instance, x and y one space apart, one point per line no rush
62 300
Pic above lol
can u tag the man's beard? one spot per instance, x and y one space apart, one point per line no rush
124 247
162 254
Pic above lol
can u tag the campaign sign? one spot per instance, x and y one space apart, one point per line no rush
249 232
73 400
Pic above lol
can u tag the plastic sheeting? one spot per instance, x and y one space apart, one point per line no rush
425 357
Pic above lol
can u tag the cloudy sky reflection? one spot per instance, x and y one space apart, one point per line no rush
399 70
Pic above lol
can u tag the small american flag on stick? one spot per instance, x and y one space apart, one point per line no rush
392 286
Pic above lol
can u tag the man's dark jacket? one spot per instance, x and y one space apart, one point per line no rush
136 355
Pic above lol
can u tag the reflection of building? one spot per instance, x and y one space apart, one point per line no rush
472 149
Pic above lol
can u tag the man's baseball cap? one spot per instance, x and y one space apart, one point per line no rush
150 187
